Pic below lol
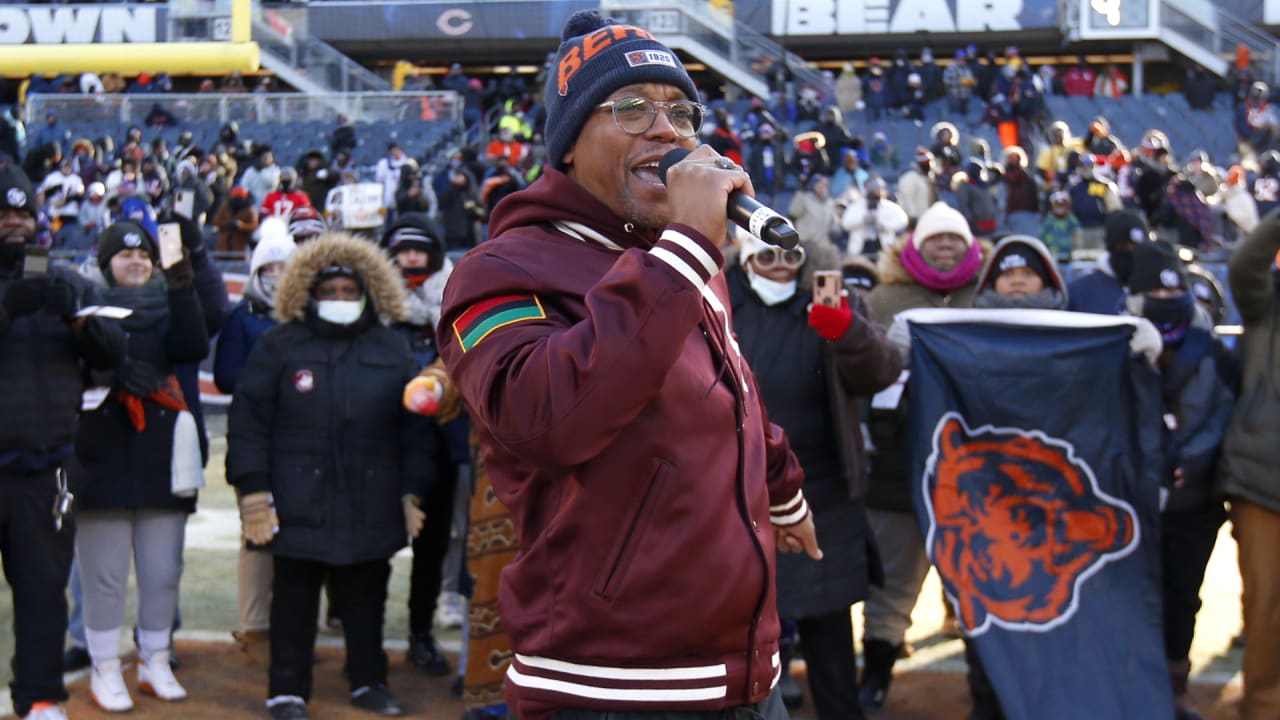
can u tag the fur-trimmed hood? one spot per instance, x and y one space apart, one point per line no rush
381 281
893 272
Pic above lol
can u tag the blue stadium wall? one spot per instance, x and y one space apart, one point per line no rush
523 31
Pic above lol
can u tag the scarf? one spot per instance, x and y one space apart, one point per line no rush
167 395
1047 299
938 281
414 277
149 303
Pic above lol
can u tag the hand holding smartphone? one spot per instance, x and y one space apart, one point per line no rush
35 262
170 245
184 203
827 286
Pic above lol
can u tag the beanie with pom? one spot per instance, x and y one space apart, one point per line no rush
596 57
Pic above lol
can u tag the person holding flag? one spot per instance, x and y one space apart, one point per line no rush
1038 516
936 267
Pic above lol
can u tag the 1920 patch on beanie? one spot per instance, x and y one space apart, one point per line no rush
596 57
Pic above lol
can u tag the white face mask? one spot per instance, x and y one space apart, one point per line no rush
771 292
269 285
340 312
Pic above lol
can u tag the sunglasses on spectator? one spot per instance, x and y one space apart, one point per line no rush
771 257
635 115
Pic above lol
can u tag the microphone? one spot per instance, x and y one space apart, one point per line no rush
745 211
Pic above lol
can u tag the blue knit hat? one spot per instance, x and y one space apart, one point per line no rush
595 58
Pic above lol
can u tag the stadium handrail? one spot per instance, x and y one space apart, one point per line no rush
280 108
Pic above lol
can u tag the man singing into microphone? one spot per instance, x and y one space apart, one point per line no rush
591 342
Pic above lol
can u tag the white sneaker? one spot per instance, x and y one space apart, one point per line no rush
155 678
46 711
108 688
451 608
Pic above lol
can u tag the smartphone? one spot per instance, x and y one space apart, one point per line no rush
35 263
170 245
184 203
827 285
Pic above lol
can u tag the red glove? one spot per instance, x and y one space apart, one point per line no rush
831 323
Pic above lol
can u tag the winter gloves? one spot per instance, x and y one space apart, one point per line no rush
138 377
831 323
260 523
27 295
180 275
258 517
414 516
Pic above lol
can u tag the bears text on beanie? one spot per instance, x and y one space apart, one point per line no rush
596 57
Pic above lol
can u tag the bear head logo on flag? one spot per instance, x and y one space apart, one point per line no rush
1017 525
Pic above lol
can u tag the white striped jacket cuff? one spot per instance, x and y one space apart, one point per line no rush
789 512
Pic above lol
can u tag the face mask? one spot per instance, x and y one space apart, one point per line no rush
1122 264
772 292
1171 316
269 285
340 312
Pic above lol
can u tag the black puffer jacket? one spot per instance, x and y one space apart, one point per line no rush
42 367
121 467
810 387
317 417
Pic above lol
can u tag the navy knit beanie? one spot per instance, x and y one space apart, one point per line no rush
595 58
124 235
15 189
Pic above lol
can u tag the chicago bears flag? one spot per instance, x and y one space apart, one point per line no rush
1035 454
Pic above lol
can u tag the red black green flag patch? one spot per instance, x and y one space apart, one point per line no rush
486 316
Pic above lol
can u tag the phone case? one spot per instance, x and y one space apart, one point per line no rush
826 288
170 245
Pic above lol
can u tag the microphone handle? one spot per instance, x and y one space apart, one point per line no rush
760 220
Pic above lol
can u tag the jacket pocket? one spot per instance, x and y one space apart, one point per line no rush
611 580
298 488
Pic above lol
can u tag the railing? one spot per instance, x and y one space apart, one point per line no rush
311 57
745 50
1192 26
1220 32
132 109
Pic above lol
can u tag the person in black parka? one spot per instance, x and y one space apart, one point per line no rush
327 463
813 362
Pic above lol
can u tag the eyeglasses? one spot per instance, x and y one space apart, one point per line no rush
635 115
770 257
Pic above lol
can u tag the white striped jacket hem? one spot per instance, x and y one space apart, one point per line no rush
601 682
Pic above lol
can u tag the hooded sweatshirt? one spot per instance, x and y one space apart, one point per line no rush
623 430
1053 297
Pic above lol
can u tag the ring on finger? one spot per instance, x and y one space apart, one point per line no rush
725 163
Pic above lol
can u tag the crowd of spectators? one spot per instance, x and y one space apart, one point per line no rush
859 206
